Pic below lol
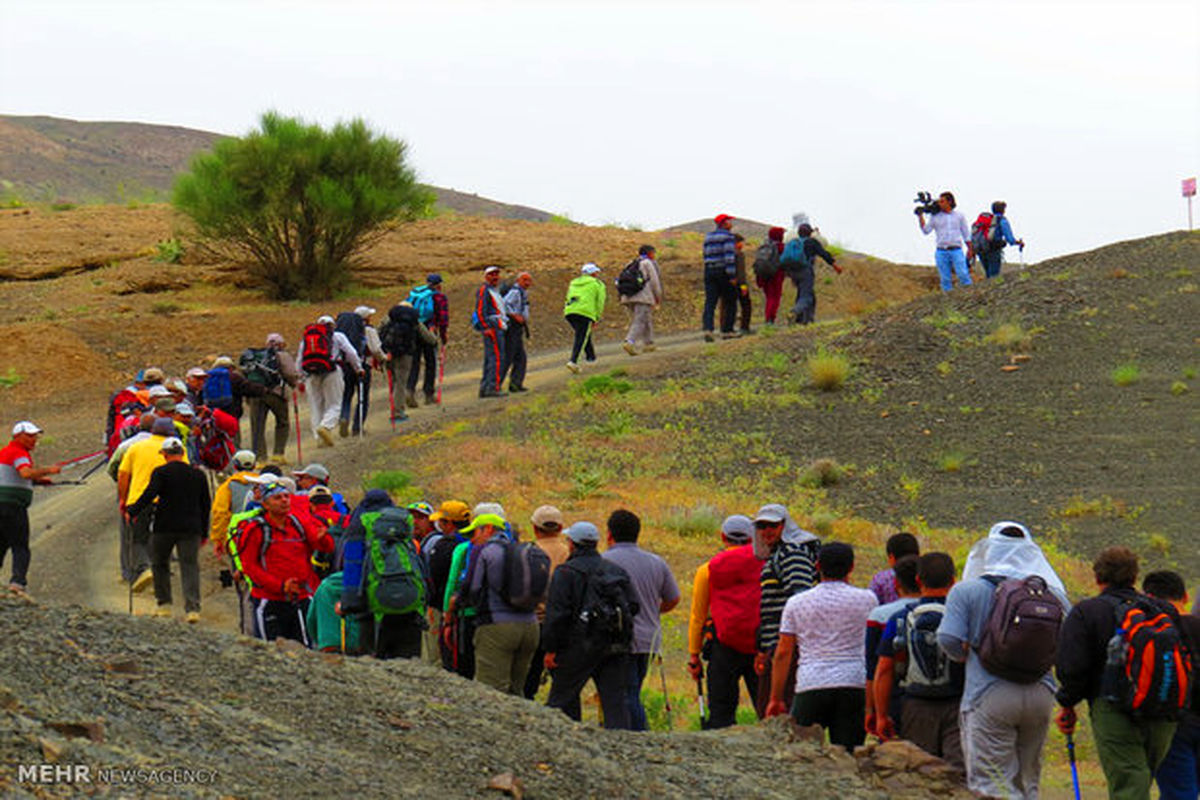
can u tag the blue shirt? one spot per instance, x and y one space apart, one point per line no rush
1006 230
720 252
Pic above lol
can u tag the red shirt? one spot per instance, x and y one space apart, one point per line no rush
287 555
15 490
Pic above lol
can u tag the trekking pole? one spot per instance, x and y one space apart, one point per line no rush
1021 250
391 399
362 403
662 673
441 373
700 700
127 536
1074 768
296 414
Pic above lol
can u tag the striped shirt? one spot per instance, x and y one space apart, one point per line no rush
15 490
791 568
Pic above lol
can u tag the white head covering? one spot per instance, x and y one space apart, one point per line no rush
792 533
1010 556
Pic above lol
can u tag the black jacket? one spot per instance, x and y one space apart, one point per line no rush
183 501
1083 642
560 631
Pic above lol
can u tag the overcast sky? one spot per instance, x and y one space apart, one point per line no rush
1084 116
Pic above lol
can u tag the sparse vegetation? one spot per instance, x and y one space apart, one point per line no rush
1104 507
701 521
1126 374
1012 336
62 206
1178 388
390 480
945 319
827 370
609 383
561 219
169 251
954 461
9 379
910 487
822 472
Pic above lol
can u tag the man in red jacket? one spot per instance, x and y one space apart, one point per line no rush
276 549
725 596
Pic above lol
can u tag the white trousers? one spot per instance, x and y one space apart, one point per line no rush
324 399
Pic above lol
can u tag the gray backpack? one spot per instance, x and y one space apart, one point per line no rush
1020 639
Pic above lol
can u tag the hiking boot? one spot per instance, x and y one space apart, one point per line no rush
571 365
708 336
489 393
326 437
192 617
430 399
344 428
410 399
279 459
515 388
630 348
162 611
143 580
19 590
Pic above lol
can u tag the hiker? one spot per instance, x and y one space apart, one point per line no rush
930 684
273 368
356 381
276 556
725 595
516 307
230 498
212 438
126 559
720 274
460 617
227 389
586 297
767 274
315 474
1004 719
384 581
798 261
1131 738
491 321
992 255
329 631
133 476
789 556
825 624
121 404
952 235
729 307
906 589
150 377
322 351
438 552
422 526
194 380
1178 775
403 339
506 636
883 583
433 311
656 593
17 478
647 295
588 587
547 522
179 494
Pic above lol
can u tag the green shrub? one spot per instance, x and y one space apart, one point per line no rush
1126 374
9 379
62 206
953 461
390 480
608 383
701 521
827 370
822 472
169 251
1178 388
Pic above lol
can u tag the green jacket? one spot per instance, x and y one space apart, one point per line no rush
586 296
458 568
324 624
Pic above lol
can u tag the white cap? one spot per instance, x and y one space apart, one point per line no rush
324 319
364 311
158 390
491 269
171 444
25 426
589 269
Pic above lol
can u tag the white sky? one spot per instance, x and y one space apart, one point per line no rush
1084 116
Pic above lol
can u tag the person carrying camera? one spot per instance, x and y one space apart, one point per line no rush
952 235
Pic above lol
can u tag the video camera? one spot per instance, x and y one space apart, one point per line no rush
926 204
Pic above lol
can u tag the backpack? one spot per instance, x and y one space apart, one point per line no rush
218 389
928 672
422 301
526 575
795 257
1020 638
631 280
318 350
214 444
355 329
393 574
260 365
1148 673
985 233
766 261
398 335
607 609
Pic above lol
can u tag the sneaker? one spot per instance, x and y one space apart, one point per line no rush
410 399
280 460
326 437
515 389
630 348
708 336
19 590
192 617
571 365
162 611
343 428
143 580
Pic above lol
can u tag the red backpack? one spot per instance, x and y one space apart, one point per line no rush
985 233
1148 673
214 439
318 350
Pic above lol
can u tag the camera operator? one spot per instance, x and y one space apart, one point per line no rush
953 235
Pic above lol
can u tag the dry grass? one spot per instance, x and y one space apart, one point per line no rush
828 371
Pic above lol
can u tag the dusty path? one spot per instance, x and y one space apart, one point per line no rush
75 532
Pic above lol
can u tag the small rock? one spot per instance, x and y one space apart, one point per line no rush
123 666
79 730
1020 358
1009 368
52 750
398 722
509 784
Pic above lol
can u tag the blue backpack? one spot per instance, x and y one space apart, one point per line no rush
794 256
218 390
422 300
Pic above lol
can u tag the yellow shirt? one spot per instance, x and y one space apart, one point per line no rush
699 610
141 459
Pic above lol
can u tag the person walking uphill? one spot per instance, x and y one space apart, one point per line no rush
272 368
798 260
491 321
586 296
767 274
17 477
952 235
433 311
720 273
516 306
322 351
989 243
641 296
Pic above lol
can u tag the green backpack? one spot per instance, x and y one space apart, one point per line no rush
393 573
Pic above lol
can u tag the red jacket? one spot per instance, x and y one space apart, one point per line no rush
287 554
733 595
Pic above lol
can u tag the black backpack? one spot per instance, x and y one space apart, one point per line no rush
928 673
398 335
631 280
607 609
355 329
766 261
526 575
261 365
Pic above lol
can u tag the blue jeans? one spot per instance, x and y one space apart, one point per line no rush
951 263
1178 775
717 285
639 663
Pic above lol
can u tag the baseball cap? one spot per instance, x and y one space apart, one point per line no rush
547 517
589 269
364 311
738 529
320 494
721 218
490 270
223 361
171 444
163 426
158 390
433 278
25 426
488 508
583 532
772 512
313 470
420 507
197 372
176 386
324 319
165 404
275 340
453 510
244 459
494 520
185 409
152 375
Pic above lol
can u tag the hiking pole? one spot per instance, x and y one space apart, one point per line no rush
700 700
127 537
662 673
391 398
362 403
1074 768
296 414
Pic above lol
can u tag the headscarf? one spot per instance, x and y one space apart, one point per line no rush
792 534
1010 556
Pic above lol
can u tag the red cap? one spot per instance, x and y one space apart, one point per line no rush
721 218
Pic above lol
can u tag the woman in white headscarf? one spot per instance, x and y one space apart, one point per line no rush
1009 550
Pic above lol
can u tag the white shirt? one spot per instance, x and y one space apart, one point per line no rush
828 622
951 228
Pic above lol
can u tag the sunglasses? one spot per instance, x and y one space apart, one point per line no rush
761 524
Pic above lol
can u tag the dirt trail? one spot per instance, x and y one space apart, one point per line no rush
76 537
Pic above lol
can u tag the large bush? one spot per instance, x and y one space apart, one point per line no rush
297 203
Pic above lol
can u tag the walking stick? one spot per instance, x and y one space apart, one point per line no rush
441 372
362 403
700 700
391 398
296 414
127 535
662 673
1074 768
